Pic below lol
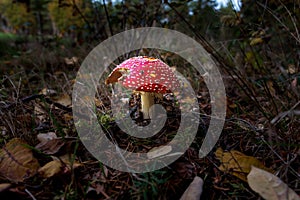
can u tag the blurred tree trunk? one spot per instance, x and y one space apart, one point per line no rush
39 19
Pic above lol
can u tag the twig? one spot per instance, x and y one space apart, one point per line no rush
292 19
29 193
109 24
37 96
281 23
285 162
107 17
282 115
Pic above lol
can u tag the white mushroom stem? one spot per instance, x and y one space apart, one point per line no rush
147 100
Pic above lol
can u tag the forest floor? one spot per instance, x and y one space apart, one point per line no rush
42 156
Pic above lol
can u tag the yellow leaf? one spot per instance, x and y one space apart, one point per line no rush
237 163
17 162
51 168
269 186
63 99
58 166
256 41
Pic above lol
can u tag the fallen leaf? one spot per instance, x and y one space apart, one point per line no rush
68 117
71 61
292 69
270 187
16 161
237 163
4 186
194 191
271 88
44 137
60 165
63 99
256 41
40 113
51 168
99 103
50 147
67 159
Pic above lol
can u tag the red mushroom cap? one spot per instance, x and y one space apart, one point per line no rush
144 74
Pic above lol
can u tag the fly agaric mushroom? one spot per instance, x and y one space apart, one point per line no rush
150 77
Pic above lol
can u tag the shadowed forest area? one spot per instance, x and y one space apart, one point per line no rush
256 49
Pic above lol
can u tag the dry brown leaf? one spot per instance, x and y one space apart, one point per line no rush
16 161
292 69
58 166
71 61
40 113
68 117
271 88
194 191
269 186
51 168
98 102
63 99
67 159
237 163
50 147
4 186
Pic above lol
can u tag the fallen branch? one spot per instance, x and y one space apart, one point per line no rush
33 97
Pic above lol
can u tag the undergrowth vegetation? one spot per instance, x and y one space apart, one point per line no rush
257 50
